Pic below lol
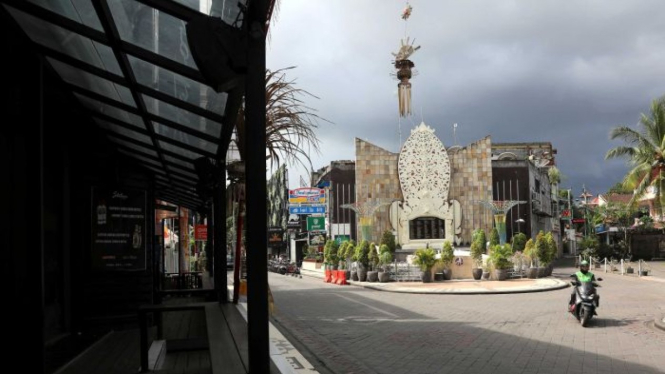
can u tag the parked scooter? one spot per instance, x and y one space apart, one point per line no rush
586 300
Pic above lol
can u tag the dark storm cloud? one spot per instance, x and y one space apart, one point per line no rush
563 72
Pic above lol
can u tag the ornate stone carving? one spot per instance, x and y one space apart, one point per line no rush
424 175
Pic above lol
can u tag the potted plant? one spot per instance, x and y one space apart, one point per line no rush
487 266
425 258
530 256
494 237
500 255
385 258
447 257
477 251
541 253
362 259
373 273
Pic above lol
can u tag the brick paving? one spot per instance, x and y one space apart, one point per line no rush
348 329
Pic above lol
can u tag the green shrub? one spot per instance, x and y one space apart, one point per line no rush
519 241
478 247
500 256
373 256
362 253
447 254
425 258
530 251
388 239
494 237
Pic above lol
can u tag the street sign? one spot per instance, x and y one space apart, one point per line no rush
565 215
316 224
307 209
307 195
578 220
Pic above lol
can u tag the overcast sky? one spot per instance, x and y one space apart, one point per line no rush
564 72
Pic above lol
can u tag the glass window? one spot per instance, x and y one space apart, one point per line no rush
155 31
111 111
123 131
181 151
67 42
135 147
184 137
139 157
225 9
183 117
178 161
176 85
81 11
92 82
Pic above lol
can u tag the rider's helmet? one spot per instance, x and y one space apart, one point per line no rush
584 266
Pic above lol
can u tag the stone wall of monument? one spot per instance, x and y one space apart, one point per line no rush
471 180
376 181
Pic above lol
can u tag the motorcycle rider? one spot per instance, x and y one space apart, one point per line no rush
582 276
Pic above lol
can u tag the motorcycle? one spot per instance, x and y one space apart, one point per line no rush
586 300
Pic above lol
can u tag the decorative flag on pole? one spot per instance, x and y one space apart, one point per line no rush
404 66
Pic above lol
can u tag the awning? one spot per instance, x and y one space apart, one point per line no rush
129 64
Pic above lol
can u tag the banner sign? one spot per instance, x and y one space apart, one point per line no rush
118 229
316 224
200 232
317 239
307 195
307 209
275 236
578 220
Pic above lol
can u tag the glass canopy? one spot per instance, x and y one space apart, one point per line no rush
129 64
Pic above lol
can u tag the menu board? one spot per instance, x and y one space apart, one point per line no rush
118 229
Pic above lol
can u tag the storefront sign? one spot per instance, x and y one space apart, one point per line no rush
201 232
307 195
316 224
118 229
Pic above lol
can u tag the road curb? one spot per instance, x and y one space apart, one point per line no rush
559 285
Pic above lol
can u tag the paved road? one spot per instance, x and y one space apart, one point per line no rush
346 329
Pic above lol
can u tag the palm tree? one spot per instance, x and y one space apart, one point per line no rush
290 124
645 153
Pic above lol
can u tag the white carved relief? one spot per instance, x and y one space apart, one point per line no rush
424 174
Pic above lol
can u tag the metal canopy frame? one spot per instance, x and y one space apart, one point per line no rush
177 130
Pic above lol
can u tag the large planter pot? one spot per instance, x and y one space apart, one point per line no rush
384 276
500 274
372 276
426 276
341 277
447 274
354 275
541 272
362 275
477 273
644 273
327 277
630 270
348 274
438 277
486 275
532 273
550 269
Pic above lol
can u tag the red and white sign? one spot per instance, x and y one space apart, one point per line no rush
200 232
